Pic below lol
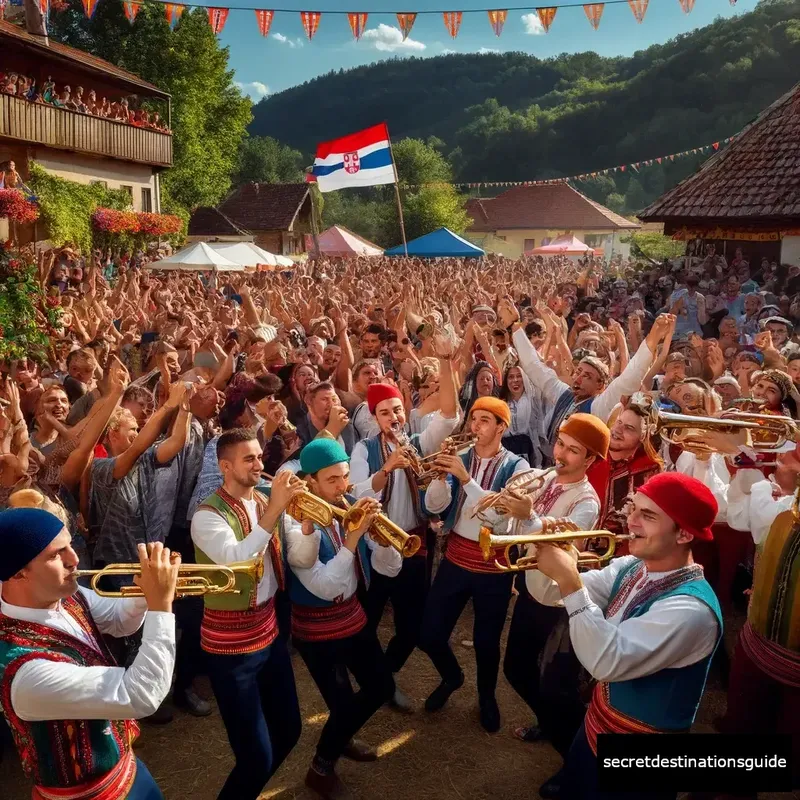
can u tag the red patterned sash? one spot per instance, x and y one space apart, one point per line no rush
327 623
229 633
114 785
467 554
773 659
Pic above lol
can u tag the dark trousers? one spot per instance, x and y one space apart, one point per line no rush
551 689
452 588
407 593
580 777
144 786
362 655
257 700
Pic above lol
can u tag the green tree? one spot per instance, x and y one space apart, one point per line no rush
616 202
419 163
635 197
263 159
654 245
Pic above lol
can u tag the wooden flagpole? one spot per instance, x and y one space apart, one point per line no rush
397 197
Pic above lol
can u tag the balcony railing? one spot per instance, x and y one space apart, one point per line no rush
67 130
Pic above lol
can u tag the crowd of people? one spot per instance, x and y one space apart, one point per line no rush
188 418
26 87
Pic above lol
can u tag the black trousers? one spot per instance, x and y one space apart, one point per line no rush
407 593
551 689
363 656
452 588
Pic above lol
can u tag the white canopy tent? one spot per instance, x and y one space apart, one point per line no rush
198 257
250 255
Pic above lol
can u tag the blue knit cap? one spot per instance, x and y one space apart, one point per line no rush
321 453
24 533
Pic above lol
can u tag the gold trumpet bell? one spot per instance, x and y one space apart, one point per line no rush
422 328
383 530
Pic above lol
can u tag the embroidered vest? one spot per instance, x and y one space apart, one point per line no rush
63 754
666 700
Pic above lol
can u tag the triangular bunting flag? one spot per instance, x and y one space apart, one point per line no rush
686 5
659 160
174 11
672 158
622 168
497 19
715 145
593 13
310 20
452 21
639 8
264 20
358 24
217 17
131 10
546 17
89 7
406 23
733 2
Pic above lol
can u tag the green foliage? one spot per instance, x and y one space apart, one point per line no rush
66 206
209 114
654 245
263 159
616 202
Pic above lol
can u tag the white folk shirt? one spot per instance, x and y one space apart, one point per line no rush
754 502
713 473
212 534
339 577
439 494
674 632
401 504
45 690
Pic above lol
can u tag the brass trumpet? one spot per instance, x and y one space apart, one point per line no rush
305 505
423 466
193 579
521 484
686 430
383 530
771 432
559 532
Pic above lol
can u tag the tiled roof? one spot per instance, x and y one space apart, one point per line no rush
207 221
547 206
8 31
265 206
755 178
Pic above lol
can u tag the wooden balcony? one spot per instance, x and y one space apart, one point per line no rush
67 130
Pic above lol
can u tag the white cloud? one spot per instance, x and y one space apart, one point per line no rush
256 89
484 50
447 52
279 37
532 24
389 39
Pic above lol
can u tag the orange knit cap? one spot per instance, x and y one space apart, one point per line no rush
494 406
587 429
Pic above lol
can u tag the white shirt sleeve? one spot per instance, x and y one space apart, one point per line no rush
360 476
301 550
713 473
437 430
116 616
44 690
625 384
764 508
385 560
364 423
438 496
212 534
549 385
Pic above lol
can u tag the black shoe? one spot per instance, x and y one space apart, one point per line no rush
401 702
192 703
441 694
357 750
490 715
551 788
531 733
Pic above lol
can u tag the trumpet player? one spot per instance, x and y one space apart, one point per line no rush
329 624
381 468
248 663
645 627
463 573
71 709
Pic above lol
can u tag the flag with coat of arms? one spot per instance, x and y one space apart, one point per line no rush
359 159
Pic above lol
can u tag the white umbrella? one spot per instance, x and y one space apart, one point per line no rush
251 255
198 257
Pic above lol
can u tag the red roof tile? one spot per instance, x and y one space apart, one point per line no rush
548 206
265 206
9 31
207 221
755 179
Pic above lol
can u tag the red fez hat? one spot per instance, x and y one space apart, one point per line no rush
378 392
685 500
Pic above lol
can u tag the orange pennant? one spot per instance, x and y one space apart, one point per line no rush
173 11
497 19
131 10
310 20
217 17
593 13
452 21
358 24
639 8
264 20
686 5
406 23
546 16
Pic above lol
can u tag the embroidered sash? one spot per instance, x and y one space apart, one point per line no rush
229 633
114 785
773 659
327 623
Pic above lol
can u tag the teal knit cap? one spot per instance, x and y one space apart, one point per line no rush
321 453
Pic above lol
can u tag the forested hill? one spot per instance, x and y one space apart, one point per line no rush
513 116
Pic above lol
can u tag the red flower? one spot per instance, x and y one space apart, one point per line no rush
15 206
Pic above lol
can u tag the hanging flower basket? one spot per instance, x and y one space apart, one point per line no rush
157 225
15 206
108 220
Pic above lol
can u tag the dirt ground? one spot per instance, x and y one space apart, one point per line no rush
443 756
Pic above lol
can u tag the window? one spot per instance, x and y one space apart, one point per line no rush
128 190
529 245
147 199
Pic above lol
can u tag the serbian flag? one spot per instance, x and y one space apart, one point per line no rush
360 159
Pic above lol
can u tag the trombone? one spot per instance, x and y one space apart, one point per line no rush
194 580
560 532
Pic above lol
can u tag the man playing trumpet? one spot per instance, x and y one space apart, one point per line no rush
71 709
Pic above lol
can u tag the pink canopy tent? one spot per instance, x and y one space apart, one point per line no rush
567 245
340 243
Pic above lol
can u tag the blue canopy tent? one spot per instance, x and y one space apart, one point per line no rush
438 244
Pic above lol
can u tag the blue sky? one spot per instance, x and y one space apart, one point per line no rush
285 58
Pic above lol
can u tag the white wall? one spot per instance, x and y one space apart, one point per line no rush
790 250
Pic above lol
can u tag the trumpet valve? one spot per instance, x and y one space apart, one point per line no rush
485 542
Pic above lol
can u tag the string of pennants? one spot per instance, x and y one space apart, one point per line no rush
635 167
217 16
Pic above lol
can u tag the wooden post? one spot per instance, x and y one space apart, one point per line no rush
399 201
312 191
